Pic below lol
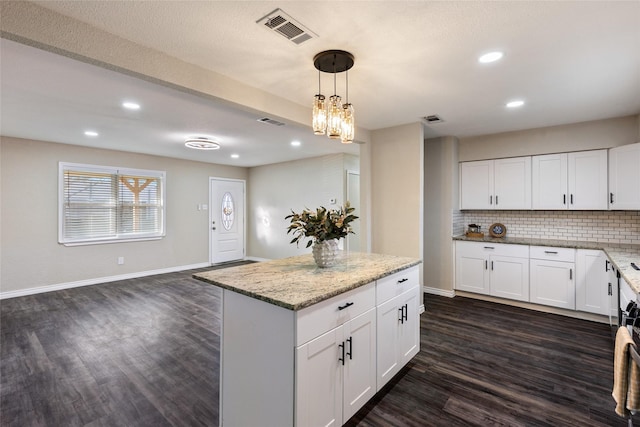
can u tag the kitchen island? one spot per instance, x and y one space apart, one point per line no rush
302 345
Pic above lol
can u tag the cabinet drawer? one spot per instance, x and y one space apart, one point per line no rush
488 249
551 253
395 284
322 317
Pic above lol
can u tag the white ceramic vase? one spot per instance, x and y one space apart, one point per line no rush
325 253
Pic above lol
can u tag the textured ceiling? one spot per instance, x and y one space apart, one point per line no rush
570 61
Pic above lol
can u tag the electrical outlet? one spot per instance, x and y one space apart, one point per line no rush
332 201
120 260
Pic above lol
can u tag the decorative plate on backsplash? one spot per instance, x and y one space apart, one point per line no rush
497 230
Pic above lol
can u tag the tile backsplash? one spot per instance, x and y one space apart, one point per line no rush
598 226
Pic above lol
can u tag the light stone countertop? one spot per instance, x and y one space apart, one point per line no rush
620 254
295 283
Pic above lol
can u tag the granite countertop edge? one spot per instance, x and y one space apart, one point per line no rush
619 254
361 281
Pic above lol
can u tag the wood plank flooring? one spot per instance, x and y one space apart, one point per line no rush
145 352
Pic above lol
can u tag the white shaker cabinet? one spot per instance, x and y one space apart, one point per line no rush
624 177
549 181
500 270
398 323
575 181
496 184
510 277
593 292
336 373
553 275
587 180
472 267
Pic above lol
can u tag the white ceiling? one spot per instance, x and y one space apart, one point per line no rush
569 61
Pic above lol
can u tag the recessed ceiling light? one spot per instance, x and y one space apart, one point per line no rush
515 104
90 133
201 143
131 105
235 156
295 143
490 57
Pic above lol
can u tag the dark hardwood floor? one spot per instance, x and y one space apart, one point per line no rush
145 352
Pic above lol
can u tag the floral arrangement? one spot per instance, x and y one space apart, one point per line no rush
321 225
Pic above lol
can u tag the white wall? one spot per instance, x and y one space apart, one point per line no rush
31 255
556 139
441 202
276 189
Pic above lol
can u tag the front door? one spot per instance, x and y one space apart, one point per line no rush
226 226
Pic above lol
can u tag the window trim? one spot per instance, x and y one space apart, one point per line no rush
113 170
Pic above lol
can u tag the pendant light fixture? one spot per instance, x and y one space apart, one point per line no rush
336 119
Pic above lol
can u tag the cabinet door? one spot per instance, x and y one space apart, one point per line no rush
319 381
624 177
592 284
509 277
472 270
409 335
476 185
389 362
588 180
612 282
359 374
549 181
553 283
512 183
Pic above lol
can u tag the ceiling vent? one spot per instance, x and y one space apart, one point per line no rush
286 26
270 121
432 119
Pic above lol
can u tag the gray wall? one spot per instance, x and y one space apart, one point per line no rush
276 189
31 256
440 202
555 139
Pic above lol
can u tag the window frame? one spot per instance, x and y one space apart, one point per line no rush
116 171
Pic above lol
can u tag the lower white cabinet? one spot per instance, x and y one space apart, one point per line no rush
500 270
553 276
593 289
336 373
509 277
398 334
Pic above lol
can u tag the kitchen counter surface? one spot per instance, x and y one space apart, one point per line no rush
620 254
295 283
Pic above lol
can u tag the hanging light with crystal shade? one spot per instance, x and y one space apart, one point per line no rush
319 112
348 121
334 113
337 120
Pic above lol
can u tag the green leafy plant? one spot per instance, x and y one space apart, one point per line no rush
321 224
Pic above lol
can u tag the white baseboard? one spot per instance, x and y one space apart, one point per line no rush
255 258
98 280
438 291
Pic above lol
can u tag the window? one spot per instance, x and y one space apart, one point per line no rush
100 204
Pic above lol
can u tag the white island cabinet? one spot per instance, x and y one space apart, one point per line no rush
300 345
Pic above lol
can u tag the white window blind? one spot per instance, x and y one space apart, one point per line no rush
102 204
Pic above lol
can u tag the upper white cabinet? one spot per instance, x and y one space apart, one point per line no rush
624 177
496 184
570 181
588 180
549 181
